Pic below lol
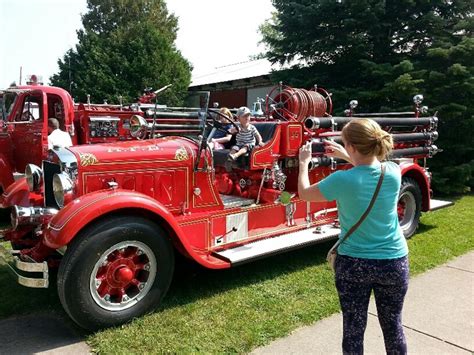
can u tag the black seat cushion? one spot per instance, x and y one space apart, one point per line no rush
266 130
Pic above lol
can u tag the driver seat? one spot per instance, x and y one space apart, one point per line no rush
259 157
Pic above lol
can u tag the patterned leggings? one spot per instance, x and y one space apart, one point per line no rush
355 280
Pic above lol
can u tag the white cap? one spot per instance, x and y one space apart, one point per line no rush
243 111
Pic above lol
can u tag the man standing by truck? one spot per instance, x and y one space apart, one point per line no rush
56 137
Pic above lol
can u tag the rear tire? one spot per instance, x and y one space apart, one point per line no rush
115 271
409 206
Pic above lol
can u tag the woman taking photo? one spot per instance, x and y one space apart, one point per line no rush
374 256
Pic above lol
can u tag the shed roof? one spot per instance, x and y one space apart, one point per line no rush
236 71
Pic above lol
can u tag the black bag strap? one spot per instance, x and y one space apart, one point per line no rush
377 189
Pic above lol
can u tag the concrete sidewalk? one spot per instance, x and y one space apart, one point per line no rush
438 318
47 334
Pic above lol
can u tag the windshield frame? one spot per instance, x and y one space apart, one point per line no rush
16 92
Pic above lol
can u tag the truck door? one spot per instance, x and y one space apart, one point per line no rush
30 130
6 147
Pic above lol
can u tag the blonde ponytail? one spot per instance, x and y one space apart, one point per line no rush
366 136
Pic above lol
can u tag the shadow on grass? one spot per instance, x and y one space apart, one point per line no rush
424 228
191 282
17 299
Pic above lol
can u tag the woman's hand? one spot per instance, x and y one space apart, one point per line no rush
335 150
305 154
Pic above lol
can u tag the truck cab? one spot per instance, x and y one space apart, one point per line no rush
24 126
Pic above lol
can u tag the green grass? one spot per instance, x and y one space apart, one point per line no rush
240 309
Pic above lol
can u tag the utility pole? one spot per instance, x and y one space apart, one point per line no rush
21 69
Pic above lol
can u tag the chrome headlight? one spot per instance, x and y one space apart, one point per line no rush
63 188
418 99
138 126
34 177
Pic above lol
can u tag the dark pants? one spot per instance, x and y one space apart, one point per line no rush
355 280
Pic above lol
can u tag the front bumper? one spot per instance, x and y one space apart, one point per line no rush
38 271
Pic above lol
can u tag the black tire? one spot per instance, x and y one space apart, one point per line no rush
125 239
409 206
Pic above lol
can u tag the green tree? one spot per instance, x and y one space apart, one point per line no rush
382 52
125 46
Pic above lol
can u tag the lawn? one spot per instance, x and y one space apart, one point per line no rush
240 309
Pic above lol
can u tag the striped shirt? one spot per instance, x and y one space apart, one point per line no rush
246 136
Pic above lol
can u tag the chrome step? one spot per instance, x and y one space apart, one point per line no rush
231 201
438 204
15 265
279 244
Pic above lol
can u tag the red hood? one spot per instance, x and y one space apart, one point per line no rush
153 150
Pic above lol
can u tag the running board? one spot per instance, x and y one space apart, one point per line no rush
438 204
231 201
279 244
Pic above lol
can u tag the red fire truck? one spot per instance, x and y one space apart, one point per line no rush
25 111
112 216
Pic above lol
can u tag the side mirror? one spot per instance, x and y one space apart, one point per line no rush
138 127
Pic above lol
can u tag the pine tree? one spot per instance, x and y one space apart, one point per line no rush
125 46
382 52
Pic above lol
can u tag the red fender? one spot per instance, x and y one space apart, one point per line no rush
17 193
417 173
69 221
6 173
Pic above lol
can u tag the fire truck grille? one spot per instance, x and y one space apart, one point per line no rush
49 169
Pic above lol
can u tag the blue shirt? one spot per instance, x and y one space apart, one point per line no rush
379 236
221 134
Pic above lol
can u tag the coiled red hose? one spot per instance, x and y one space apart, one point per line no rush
297 104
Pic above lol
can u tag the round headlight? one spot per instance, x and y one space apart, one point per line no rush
418 99
63 188
138 127
34 177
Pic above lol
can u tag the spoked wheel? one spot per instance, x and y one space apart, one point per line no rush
409 206
280 103
123 275
117 270
327 97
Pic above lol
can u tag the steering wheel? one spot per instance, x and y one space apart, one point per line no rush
27 116
217 126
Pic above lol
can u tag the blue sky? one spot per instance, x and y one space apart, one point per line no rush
35 33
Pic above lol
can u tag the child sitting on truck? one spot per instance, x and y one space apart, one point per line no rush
246 137
220 137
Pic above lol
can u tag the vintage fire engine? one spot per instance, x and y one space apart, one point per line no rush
112 216
24 124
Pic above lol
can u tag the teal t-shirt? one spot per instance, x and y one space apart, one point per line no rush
379 236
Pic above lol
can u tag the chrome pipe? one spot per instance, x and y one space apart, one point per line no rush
395 154
177 114
408 113
317 144
336 123
163 126
21 216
